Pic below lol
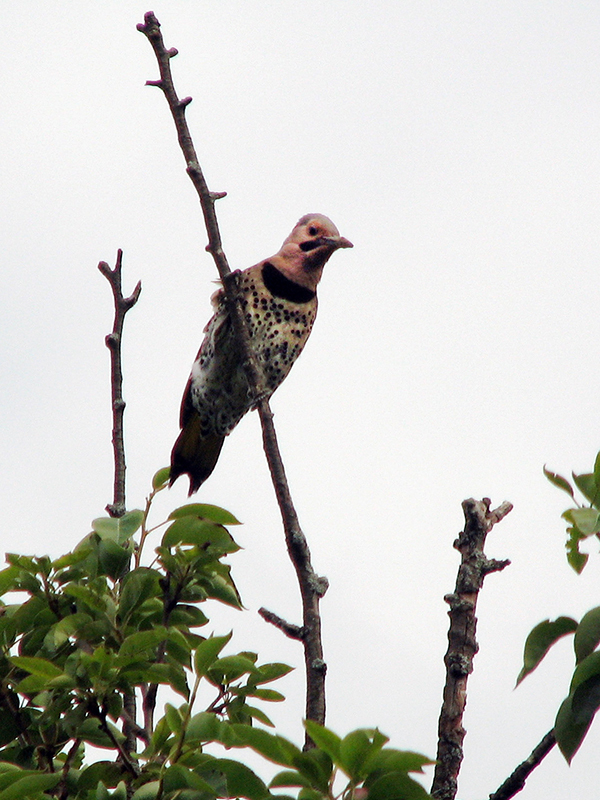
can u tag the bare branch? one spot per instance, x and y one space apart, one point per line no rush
118 507
515 782
113 342
312 587
462 644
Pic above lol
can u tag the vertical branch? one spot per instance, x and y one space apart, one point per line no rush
311 587
118 506
113 342
462 644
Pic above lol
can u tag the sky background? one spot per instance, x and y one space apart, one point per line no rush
454 354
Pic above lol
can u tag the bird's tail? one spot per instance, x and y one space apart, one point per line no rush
193 454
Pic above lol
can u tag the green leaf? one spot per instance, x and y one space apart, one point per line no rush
160 478
221 589
241 780
271 746
37 666
270 695
597 471
29 785
205 511
71 626
141 645
120 792
169 674
200 533
118 529
229 668
586 520
108 772
113 558
397 786
106 527
354 748
541 639
138 585
270 672
173 717
70 559
587 486
588 668
388 760
90 732
587 635
207 652
204 727
178 777
32 685
310 794
7 579
188 615
256 713
129 523
289 778
575 559
149 791
325 739
317 767
102 792
559 481
570 729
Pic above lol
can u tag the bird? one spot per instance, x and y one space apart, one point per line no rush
279 302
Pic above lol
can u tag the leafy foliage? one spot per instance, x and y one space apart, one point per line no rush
86 637
578 709
584 521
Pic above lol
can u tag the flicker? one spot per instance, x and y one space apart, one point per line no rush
280 304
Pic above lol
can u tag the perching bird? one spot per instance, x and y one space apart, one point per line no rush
280 305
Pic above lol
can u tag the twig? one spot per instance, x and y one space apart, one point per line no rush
462 644
312 588
63 791
515 782
290 630
113 342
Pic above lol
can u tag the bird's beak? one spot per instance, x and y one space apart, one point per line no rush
337 241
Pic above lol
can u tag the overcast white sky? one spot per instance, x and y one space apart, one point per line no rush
455 352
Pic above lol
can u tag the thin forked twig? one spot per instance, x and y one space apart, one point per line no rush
462 644
312 588
113 342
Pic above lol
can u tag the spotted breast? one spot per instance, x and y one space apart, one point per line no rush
280 305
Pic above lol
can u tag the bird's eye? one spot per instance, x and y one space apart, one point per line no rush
312 230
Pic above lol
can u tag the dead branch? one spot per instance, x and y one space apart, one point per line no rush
462 644
113 342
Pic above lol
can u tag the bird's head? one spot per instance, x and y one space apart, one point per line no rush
308 248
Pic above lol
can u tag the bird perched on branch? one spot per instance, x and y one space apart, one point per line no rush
280 305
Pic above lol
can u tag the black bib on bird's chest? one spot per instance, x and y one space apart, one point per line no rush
280 286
